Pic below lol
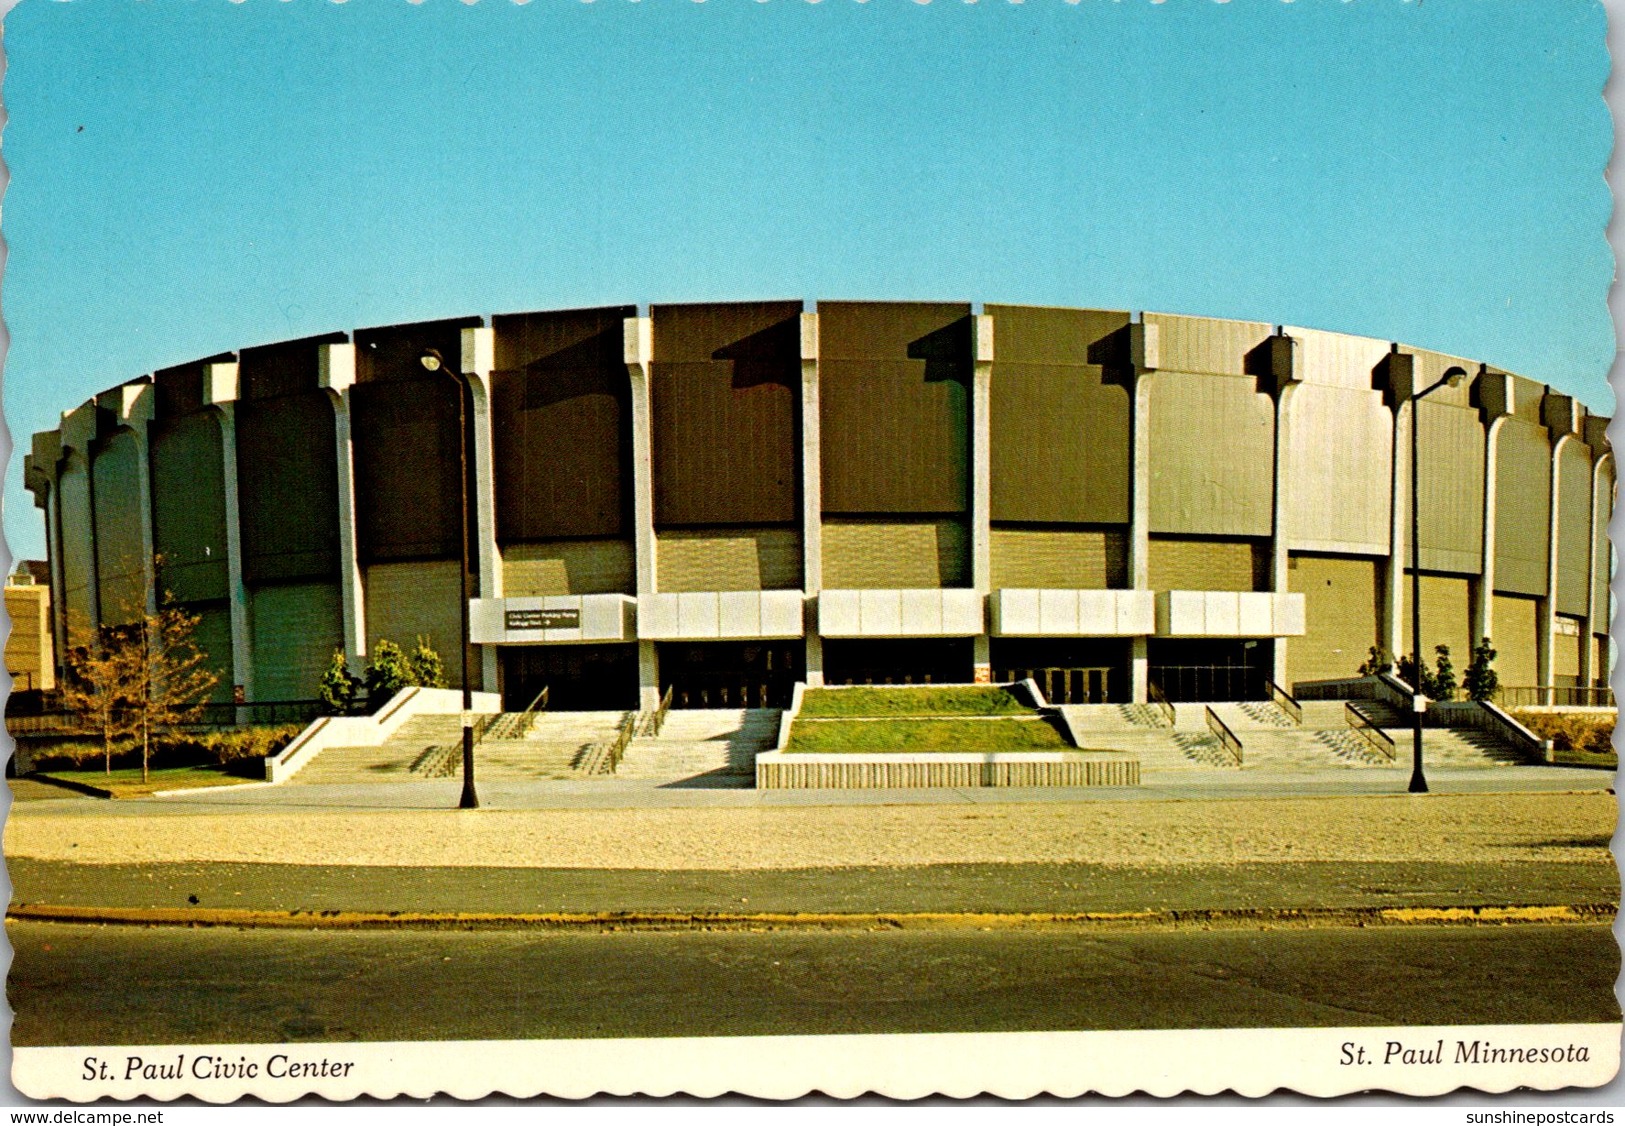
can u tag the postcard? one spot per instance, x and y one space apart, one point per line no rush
859 547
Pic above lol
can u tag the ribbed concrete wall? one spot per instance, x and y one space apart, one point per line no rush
1517 629
296 628
728 559
894 772
1447 618
860 555
1060 558
1342 610
406 601
121 586
568 567
1208 564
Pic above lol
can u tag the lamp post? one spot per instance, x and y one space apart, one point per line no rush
1419 785
433 361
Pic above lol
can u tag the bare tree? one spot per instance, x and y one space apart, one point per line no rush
97 687
169 683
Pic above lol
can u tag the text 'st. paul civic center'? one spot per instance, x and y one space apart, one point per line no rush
724 499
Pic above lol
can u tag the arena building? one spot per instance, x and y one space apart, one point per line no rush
724 499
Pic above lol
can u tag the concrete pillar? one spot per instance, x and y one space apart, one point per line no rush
1546 638
1601 509
337 377
53 541
78 431
479 358
132 404
1393 608
221 387
638 341
1281 539
812 499
981 493
1484 596
1145 354
41 466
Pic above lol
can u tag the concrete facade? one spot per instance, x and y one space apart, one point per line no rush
703 494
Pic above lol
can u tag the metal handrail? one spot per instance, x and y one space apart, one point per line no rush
1227 738
1367 729
612 757
1571 696
1158 700
657 718
1283 699
519 725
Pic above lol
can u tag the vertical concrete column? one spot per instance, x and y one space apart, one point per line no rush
337 377
479 358
53 547
1546 639
221 386
1284 370
639 356
1484 596
41 468
78 432
1145 355
133 403
1601 508
812 500
1393 607
981 492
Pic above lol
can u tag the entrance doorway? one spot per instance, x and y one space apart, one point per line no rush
731 674
938 660
578 678
1207 670
1068 670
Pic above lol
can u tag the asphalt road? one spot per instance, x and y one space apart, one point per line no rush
131 985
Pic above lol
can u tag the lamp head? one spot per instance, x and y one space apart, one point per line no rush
1455 377
432 360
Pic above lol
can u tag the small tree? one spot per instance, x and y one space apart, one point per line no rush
1444 680
168 681
338 688
97 688
427 670
388 672
1377 660
1481 680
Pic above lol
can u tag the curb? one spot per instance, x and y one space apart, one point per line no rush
1483 915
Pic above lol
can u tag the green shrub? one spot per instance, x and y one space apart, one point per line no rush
1571 731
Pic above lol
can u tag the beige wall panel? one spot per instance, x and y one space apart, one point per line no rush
120 576
1527 396
1447 618
1342 609
1515 641
1341 469
73 490
1566 650
871 555
729 559
1212 455
1060 558
296 628
531 570
1194 564
406 601
1604 549
29 647
1430 369
1450 457
1573 527
1335 359
1522 508
1205 344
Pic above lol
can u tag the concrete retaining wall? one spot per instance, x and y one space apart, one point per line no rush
779 771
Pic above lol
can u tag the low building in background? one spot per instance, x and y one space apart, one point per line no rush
30 651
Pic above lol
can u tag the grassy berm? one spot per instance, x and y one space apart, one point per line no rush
924 702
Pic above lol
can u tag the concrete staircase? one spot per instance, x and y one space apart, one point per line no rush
704 741
431 747
1272 742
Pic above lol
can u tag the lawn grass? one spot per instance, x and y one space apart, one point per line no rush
127 783
915 736
882 701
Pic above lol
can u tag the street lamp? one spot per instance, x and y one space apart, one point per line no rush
433 361
1454 377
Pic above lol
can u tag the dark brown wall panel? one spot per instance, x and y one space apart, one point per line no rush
561 425
288 368
726 413
287 488
116 492
404 425
894 396
1060 425
189 507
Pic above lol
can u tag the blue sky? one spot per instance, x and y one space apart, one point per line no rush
192 177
